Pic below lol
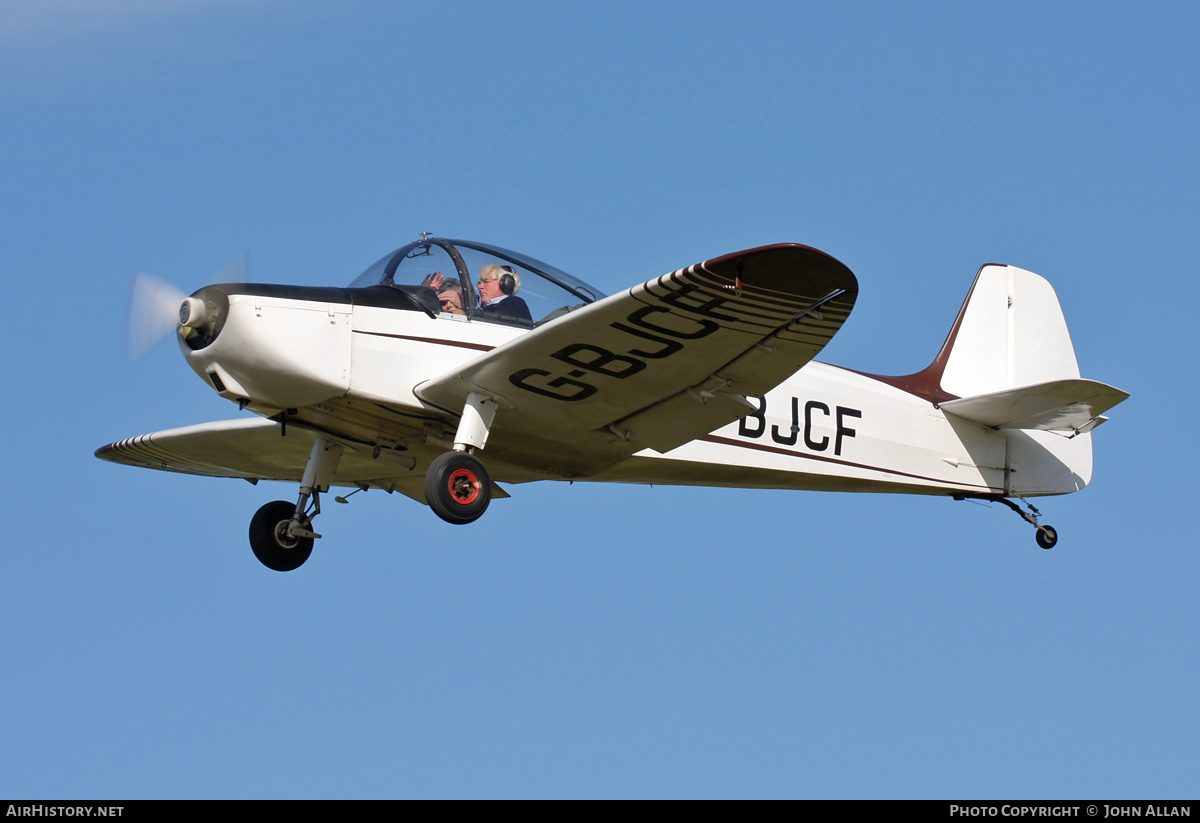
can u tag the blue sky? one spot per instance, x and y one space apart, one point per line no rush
587 640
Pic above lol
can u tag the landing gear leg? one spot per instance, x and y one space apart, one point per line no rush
281 533
318 474
1046 536
457 484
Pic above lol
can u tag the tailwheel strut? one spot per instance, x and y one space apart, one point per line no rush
1045 536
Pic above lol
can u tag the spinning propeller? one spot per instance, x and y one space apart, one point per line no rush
155 305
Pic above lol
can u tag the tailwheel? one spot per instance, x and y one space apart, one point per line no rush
1047 537
273 545
458 487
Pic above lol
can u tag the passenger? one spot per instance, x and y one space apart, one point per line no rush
498 287
450 296
448 290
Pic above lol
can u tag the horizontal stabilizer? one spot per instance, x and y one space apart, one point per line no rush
1060 405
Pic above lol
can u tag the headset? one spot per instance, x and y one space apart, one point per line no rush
510 281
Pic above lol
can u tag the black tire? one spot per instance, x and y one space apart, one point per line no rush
1047 537
270 541
458 487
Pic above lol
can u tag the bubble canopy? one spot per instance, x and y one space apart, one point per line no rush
522 290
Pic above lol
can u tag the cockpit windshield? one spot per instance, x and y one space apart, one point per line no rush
480 281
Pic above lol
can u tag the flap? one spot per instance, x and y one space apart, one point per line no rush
1060 405
660 364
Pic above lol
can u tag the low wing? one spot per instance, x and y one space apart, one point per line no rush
657 366
254 449
1060 405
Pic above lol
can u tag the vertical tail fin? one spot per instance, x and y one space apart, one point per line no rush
1010 333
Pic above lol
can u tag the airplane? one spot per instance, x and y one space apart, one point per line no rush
451 366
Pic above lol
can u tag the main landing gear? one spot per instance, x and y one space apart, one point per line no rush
457 485
1046 536
281 533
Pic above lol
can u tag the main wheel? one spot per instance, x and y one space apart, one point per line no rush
1047 537
458 487
272 544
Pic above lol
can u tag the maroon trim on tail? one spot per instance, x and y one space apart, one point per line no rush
927 383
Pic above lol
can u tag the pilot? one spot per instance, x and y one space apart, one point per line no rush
498 287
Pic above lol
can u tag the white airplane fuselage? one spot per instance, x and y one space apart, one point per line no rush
353 371
407 381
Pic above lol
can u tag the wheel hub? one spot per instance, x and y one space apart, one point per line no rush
283 538
464 487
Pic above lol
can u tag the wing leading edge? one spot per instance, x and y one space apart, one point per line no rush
658 365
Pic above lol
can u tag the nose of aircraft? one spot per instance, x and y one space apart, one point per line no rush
201 317
155 307
270 346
